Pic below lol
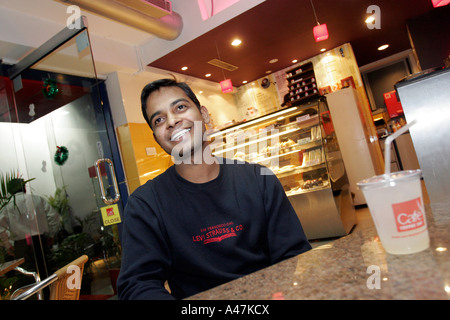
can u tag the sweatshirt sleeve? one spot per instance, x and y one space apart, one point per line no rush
285 234
145 254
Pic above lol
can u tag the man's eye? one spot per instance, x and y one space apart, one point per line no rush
157 121
181 107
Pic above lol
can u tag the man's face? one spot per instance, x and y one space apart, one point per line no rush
172 116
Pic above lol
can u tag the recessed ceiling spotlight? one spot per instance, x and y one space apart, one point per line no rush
294 61
370 19
208 75
236 42
268 71
383 47
184 68
323 49
273 60
244 82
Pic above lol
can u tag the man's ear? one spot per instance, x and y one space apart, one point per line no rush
205 114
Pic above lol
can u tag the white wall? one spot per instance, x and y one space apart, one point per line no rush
30 148
124 91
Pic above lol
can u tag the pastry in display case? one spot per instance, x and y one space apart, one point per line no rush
298 145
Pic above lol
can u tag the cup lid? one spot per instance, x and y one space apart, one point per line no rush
380 180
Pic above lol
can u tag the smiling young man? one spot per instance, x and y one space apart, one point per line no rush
173 121
204 221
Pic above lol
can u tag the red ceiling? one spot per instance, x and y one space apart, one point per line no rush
282 29
31 93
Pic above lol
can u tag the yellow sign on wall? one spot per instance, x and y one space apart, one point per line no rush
110 215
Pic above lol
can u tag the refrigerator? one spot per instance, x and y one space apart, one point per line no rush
353 136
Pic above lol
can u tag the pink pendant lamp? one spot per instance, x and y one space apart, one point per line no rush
440 3
226 86
320 31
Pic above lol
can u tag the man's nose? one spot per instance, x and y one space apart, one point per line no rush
172 120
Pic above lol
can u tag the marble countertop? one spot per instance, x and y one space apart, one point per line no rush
352 267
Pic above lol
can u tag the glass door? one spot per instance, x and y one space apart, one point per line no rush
60 141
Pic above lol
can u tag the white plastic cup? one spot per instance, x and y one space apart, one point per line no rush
395 202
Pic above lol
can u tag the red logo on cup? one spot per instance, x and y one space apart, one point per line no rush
409 215
109 212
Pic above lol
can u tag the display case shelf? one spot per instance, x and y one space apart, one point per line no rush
290 145
297 170
300 146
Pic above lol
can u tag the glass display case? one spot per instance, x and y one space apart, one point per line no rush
298 145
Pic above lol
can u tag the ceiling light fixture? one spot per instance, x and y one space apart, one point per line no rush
208 75
369 19
320 31
383 47
236 42
323 49
373 21
184 68
440 3
294 61
226 85
273 60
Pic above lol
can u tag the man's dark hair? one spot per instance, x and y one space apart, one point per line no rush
156 85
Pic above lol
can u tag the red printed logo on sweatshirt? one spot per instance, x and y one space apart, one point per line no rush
409 215
217 233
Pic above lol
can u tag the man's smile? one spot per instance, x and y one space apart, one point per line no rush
177 135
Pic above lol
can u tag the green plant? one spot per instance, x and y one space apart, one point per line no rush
10 184
87 221
60 202
111 245
70 249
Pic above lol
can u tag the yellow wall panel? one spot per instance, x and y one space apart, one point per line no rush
128 157
151 160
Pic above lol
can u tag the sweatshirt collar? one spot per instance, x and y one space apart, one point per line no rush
198 186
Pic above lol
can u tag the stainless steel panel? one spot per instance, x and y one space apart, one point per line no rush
324 216
427 99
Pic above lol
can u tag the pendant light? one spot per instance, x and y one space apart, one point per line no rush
320 31
440 3
226 85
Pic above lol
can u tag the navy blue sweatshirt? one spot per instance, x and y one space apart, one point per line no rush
198 236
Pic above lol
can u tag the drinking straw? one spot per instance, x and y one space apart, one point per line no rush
387 147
